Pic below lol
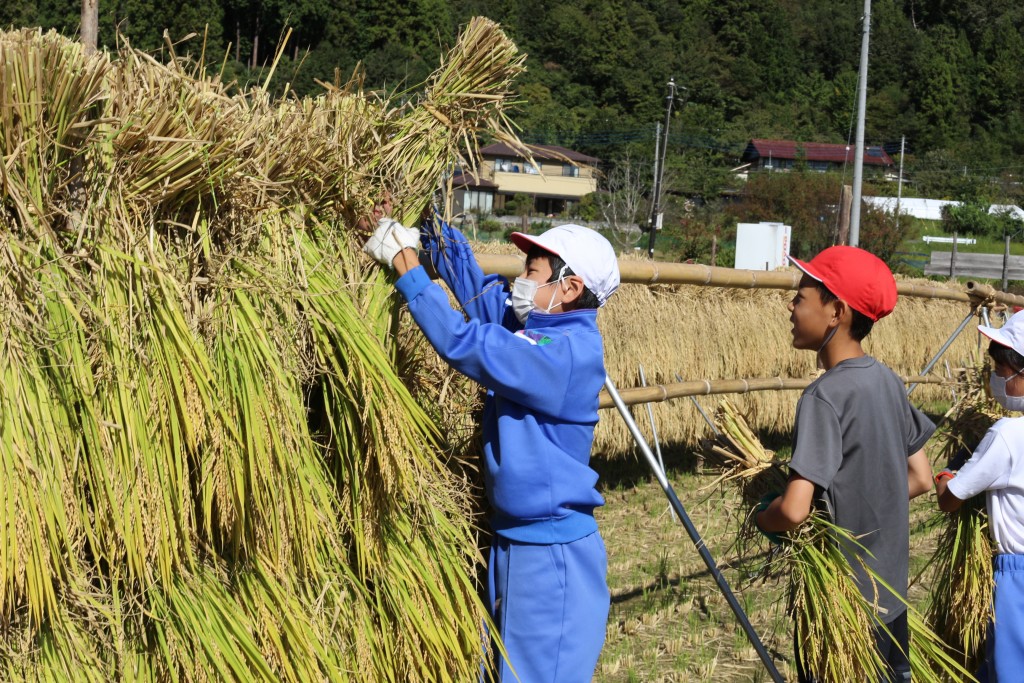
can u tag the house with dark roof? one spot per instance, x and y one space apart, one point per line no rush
783 155
556 181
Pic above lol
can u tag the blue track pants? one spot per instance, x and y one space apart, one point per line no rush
1005 646
550 603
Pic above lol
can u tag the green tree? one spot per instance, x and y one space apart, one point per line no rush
939 89
18 13
974 218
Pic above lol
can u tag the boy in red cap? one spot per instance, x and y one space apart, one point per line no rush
857 441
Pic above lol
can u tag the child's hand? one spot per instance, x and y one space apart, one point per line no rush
389 239
775 537
958 460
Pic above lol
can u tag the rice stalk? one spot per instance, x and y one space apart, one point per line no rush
465 97
738 452
43 534
960 572
361 410
833 618
50 93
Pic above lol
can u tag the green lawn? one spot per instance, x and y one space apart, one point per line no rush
914 253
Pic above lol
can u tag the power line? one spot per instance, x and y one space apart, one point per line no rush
692 140
698 140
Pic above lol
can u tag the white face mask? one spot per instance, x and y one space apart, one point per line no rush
998 386
524 291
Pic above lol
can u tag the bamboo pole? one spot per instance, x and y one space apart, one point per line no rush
655 272
983 293
656 393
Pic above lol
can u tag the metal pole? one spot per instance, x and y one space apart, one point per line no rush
862 97
657 176
899 185
949 342
1006 263
654 433
952 257
698 542
654 223
654 428
700 409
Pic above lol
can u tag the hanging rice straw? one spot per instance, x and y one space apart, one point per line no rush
465 97
219 465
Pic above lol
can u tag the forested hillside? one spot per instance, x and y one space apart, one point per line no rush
946 74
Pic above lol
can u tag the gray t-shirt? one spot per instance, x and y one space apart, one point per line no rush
854 431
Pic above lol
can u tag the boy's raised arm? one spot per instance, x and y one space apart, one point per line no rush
481 296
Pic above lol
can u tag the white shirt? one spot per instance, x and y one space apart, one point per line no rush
997 467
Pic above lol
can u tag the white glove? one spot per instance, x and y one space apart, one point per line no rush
389 239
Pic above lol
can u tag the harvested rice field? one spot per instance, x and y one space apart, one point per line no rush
668 622
228 453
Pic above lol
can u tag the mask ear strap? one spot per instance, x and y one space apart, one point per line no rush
561 279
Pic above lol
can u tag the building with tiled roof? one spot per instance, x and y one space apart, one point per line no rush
782 155
556 181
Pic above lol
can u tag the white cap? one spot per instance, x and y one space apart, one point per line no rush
585 251
1011 334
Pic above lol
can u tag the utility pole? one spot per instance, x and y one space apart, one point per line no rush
90 24
657 162
862 98
654 222
899 184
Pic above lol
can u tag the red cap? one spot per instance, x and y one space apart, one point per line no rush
858 277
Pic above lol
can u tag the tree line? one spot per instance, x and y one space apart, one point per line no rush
944 74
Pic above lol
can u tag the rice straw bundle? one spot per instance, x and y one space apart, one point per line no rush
742 457
214 468
834 620
960 572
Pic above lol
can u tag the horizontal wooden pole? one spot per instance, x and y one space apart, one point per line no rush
658 272
657 393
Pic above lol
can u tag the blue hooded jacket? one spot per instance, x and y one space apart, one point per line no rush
542 392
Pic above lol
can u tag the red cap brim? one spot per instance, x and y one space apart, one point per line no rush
805 267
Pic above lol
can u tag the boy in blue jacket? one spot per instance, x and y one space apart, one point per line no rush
537 349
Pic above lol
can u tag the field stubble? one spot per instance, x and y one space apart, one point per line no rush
668 621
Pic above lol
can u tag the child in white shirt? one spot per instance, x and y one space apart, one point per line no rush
997 468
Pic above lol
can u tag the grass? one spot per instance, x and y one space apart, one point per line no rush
668 621
915 253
